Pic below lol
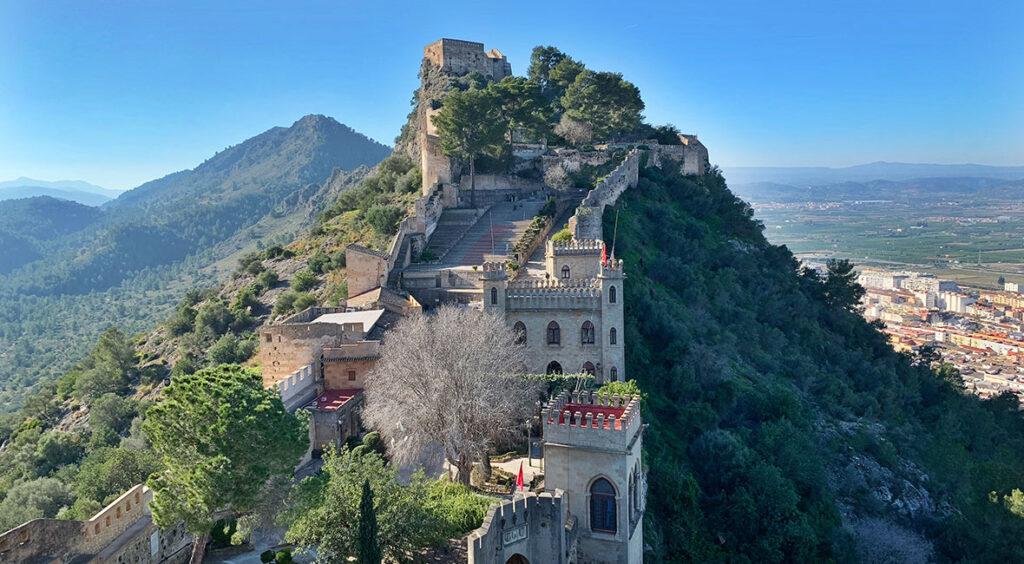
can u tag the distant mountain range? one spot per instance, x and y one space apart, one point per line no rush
866 172
73 190
68 271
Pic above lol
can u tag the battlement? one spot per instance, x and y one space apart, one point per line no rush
553 295
537 526
360 350
460 57
590 420
611 269
494 270
575 247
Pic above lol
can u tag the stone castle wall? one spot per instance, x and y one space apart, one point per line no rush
535 526
367 269
587 222
299 387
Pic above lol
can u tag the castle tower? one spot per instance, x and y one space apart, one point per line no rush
592 451
613 362
495 281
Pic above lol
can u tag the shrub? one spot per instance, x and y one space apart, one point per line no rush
320 263
304 300
562 236
266 280
383 218
283 557
267 556
285 303
304 280
338 293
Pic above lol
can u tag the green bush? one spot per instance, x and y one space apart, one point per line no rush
267 556
303 301
383 218
266 280
304 280
285 303
562 236
283 557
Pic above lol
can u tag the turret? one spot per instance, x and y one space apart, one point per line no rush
610 279
495 281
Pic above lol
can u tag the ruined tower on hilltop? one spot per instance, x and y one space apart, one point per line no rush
450 57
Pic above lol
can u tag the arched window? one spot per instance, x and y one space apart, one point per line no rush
588 367
554 334
611 294
554 368
494 296
614 374
520 332
587 333
613 336
565 271
602 507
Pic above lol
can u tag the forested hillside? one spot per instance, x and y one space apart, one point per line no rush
783 427
131 263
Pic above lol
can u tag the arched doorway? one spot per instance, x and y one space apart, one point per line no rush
554 368
517 559
588 367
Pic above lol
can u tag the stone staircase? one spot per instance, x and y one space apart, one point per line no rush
451 226
495 231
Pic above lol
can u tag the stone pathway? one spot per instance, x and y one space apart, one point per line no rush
497 230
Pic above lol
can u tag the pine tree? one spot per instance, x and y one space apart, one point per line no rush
369 549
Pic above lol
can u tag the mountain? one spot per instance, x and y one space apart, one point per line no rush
783 427
872 171
74 190
187 212
131 262
26 224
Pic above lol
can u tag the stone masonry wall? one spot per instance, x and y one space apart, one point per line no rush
534 526
587 223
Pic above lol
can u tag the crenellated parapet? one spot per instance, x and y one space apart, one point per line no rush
575 247
586 419
536 526
494 270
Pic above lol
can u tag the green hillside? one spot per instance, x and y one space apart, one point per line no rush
131 262
783 427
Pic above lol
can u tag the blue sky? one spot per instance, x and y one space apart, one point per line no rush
121 92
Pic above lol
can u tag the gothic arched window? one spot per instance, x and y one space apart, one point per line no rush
588 368
519 330
587 333
494 296
554 368
565 271
554 334
614 374
602 507
613 336
611 295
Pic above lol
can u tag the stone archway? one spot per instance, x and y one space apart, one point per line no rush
517 559
588 368
554 368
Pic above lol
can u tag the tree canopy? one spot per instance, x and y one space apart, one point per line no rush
608 103
221 438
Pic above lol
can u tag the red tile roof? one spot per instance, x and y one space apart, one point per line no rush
331 400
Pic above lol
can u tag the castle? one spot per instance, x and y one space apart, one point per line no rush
564 300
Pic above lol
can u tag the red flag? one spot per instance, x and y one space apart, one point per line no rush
604 254
519 480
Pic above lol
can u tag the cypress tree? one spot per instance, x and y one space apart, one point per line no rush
369 549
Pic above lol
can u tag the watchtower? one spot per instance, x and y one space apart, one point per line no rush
495 280
610 280
592 451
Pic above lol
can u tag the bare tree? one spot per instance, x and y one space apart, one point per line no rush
556 178
449 379
575 132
